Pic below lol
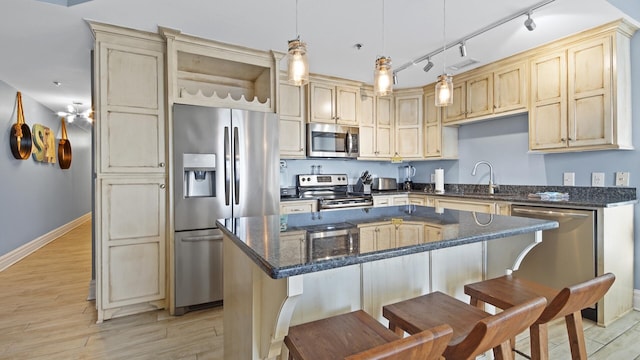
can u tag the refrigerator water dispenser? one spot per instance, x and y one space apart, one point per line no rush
199 175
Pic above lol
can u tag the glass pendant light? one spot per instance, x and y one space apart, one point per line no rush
382 75
298 69
444 86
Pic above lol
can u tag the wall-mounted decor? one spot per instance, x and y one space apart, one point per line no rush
44 144
20 136
64 148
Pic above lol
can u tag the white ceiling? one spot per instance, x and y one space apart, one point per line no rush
46 41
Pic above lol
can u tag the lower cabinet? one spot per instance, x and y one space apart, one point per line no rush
131 259
479 206
298 206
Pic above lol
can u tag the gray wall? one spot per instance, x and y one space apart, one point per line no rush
37 197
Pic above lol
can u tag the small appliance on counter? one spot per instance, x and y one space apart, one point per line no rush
363 186
407 172
385 183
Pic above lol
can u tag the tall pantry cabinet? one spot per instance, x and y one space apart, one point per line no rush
130 165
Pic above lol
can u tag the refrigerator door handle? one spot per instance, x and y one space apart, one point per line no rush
202 238
236 165
227 166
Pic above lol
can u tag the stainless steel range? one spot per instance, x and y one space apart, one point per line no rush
331 190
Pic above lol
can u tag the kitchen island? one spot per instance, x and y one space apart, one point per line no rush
285 270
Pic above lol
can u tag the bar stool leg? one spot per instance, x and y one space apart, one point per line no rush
576 336
396 329
539 342
503 352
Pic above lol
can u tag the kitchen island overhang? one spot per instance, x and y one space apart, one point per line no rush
274 279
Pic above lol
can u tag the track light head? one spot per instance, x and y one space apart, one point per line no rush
529 23
429 65
463 49
395 79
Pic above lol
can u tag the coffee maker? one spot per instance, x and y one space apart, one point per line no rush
407 172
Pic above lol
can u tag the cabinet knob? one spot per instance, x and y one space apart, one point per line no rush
301 150
161 164
162 186
570 139
563 139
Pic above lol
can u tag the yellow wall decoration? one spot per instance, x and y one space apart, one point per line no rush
44 149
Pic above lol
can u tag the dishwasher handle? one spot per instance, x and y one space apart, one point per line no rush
202 238
548 213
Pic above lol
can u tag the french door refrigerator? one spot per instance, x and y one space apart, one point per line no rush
226 164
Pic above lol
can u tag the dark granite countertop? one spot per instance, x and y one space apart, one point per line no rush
260 237
579 196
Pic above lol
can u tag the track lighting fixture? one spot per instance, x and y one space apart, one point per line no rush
529 23
395 78
463 49
429 65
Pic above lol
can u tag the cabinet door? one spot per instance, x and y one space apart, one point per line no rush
432 233
548 111
347 105
432 126
292 138
410 234
291 101
293 247
385 237
367 140
379 201
322 103
409 126
466 205
367 239
510 88
418 200
384 127
401 200
132 227
457 110
296 207
589 93
131 118
480 95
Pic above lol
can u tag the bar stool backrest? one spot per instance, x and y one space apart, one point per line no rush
577 297
492 331
427 345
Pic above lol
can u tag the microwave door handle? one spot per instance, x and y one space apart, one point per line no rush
236 165
227 166
349 140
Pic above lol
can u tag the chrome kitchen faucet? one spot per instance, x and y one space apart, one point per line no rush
475 167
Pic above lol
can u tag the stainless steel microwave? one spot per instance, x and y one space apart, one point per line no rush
332 141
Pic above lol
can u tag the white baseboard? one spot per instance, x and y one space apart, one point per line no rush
23 251
636 299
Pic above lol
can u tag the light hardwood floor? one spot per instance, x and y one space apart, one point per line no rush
44 314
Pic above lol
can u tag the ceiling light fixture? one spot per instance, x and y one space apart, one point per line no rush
73 111
382 75
428 67
463 49
529 23
444 86
298 62
457 42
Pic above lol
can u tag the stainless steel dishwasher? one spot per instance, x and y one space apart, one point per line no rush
567 254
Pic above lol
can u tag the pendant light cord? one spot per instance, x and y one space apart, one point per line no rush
297 33
383 53
444 38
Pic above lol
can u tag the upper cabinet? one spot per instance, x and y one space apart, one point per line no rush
292 113
440 142
409 121
334 102
376 126
210 73
495 89
580 92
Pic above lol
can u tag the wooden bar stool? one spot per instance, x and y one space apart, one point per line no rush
474 331
507 291
358 336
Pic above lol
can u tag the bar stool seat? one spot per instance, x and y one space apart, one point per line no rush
474 331
358 336
507 291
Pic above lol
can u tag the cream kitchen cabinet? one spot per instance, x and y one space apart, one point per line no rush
293 118
472 97
440 142
293 246
130 193
390 200
298 206
408 125
510 87
408 233
334 103
376 126
377 236
580 93
474 205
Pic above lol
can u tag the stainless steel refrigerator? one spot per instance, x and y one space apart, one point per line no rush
225 165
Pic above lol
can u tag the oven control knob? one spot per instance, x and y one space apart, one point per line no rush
308 179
